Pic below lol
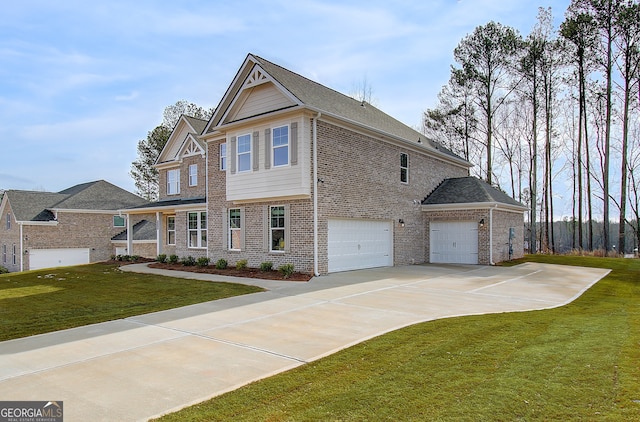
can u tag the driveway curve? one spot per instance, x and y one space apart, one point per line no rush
144 366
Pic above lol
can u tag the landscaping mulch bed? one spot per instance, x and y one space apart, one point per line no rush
233 272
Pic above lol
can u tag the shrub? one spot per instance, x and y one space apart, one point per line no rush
173 259
3 270
266 266
134 258
113 257
119 257
286 270
203 261
162 258
188 261
241 265
221 264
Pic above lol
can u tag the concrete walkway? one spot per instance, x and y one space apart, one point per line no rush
145 366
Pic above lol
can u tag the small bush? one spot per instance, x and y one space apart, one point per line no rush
119 257
203 261
162 258
241 265
188 261
113 257
3 270
221 264
134 258
173 259
266 266
286 270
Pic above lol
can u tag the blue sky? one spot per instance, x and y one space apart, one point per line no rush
81 83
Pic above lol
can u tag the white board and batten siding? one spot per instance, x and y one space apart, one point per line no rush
453 242
63 257
359 244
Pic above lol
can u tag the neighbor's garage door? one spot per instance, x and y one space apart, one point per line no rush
453 242
49 258
356 244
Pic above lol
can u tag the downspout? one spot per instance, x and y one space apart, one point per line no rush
315 195
206 189
21 249
159 239
491 234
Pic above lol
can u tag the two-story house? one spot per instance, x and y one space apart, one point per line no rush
70 227
299 173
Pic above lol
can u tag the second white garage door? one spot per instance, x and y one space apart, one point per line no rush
453 242
357 244
49 258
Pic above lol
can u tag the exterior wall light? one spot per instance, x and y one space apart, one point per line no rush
482 222
401 222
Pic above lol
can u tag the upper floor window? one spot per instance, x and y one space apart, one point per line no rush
244 153
223 156
173 182
171 230
118 221
280 146
235 229
277 228
197 227
8 221
193 175
404 168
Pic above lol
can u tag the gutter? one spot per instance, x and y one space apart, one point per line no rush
315 194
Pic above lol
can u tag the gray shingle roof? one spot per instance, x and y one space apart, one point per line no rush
198 124
463 190
98 195
142 230
173 202
331 102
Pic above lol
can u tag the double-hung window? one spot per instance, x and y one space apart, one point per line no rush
4 254
193 175
15 261
404 168
235 229
8 221
280 146
197 227
173 182
277 223
171 230
244 153
223 156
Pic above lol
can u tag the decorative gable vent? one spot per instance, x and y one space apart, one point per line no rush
257 77
192 148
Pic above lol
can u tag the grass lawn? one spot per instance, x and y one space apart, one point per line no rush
577 362
37 302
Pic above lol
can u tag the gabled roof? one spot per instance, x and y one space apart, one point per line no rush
316 97
184 132
99 195
142 230
469 190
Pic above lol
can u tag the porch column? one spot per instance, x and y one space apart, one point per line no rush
129 235
159 231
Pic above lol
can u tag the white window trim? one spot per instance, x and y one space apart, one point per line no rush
249 153
15 261
8 221
4 254
170 230
284 229
230 230
274 147
404 168
176 182
193 176
124 221
198 230
223 157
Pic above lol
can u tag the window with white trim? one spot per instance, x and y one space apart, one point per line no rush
171 230
193 175
277 228
118 221
280 146
4 254
223 156
197 229
244 153
15 261
404 168
173 182
235 229
8 221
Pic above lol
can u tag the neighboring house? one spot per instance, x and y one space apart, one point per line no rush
297 173
73 226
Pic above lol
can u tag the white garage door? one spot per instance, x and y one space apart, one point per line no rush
356 244
453 242
49 258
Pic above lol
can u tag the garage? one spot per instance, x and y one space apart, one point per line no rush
453 242
358 244
50 258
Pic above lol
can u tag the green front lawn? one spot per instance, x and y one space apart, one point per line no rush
577 362
37 302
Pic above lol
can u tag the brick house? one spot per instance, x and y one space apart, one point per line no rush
70 227
299 173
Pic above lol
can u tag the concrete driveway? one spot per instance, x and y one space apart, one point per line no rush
148 365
